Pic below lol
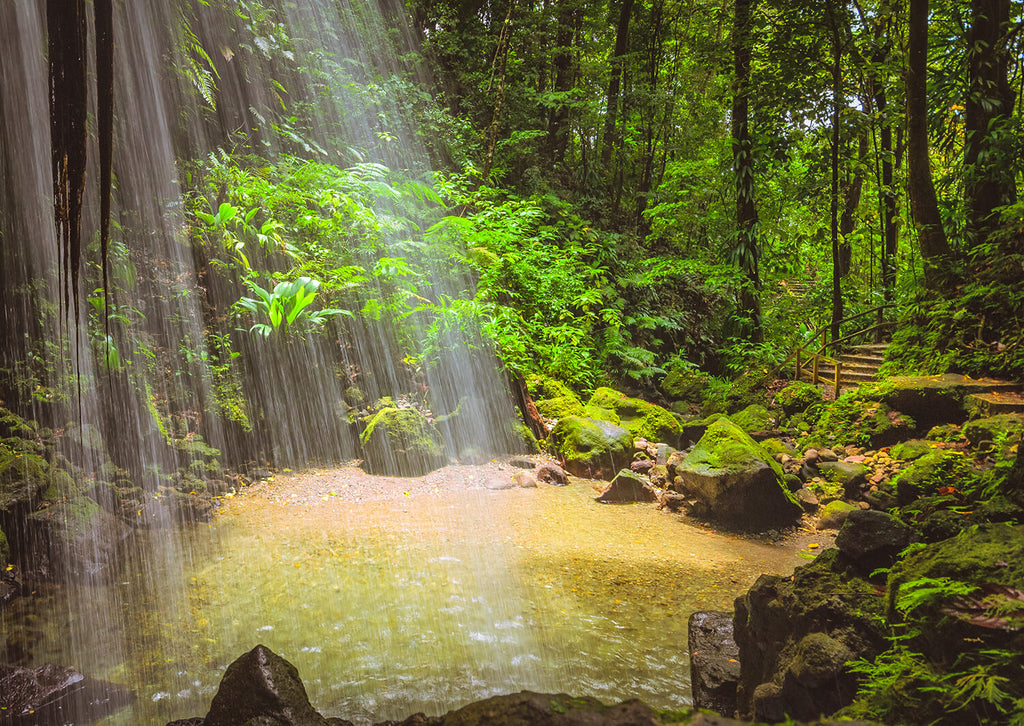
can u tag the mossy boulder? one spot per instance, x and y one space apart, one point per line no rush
1008 427
833 514
930 400
591 448
73 537
642 419
735 481
779 612
795 397
401 442
560 407
986 557
23 475
542 387
847 474
687 386
627 487
938 468
601 414
754 418
852 420
911 450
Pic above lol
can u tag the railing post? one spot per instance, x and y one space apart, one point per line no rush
798 364
814 370
839 368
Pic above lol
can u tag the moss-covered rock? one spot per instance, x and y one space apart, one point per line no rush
600 414
687 386
754 418
985 555
929 400
401 442
939 468
911 450
1008 427
848 474
826 491
852 420
778 612
541 387
795 397
735 481
591 448
643 419
833 514
560 407
73 537
23 475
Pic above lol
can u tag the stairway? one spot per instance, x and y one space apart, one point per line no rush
861 364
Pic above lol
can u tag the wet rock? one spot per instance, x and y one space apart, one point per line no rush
643 466
735 481
815 681
673 501
260 688
525 479
401 442
627 487
911 450
591 448
849 475
56 694
872 539
714 662
520 462
754 418
777 613
826 455
807 500
658 475
73 537
662 452
834 514
797 396
644 420
552 474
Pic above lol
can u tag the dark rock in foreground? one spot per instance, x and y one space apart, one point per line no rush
627 487
714 662
263 689
56 694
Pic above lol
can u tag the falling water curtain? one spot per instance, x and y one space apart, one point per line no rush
67 40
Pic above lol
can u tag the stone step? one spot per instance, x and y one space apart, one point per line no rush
871 360
994 403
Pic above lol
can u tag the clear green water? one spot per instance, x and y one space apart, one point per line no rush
398 604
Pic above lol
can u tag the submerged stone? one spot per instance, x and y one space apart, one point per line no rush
627 487
714 661
53 694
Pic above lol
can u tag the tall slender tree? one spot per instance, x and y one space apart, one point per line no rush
747 251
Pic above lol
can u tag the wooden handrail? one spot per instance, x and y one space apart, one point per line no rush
876 326
823 330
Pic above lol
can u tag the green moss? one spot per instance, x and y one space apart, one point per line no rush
851 420
911 450
797 396
947 433
689 386
754 417
939 468
600 414
728 448
401 441
826 491
22 475
642 419
776 446
541 387
560 407
1008 427
591 447
61 486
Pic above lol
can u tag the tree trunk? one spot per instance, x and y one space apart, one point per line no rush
851 203
561 58
498 68
614 83
837 252
924 206
743 166
988 163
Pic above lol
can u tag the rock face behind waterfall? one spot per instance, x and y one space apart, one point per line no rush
401 442
735 481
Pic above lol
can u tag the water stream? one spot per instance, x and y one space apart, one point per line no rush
394 596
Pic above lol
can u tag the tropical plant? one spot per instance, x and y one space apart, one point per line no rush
286 307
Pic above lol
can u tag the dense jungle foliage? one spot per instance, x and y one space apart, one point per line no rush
588 172
662 196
